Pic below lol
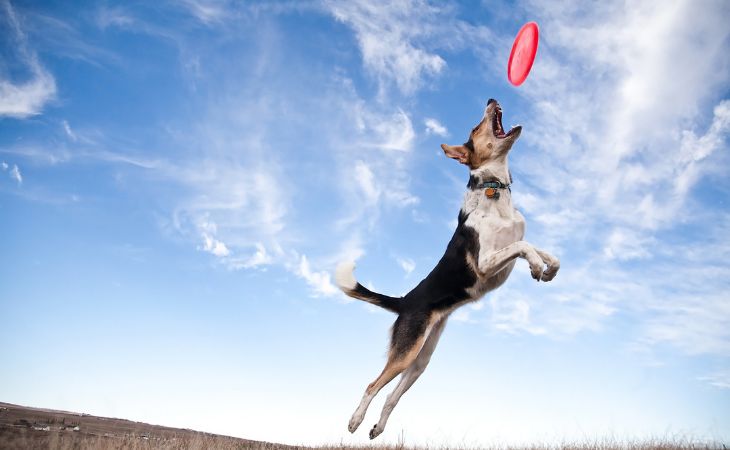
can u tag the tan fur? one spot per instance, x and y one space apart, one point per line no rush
487 147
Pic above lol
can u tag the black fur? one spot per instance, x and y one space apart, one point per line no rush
392 304
474 181
447 283
407 329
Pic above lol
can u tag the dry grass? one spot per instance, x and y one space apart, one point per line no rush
29 438
33 428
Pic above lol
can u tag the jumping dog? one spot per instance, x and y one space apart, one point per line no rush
478 259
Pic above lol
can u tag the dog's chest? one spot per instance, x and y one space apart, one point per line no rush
494 232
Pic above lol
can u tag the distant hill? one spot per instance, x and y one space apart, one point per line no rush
23 427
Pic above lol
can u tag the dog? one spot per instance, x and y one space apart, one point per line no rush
478 259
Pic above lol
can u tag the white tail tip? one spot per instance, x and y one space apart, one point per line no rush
344 276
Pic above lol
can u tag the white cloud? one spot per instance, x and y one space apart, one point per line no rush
21 99
381 130
626 244
388 35
319 281
69 132
211 245
397 133
374 145
16 175
214 246
407 264
433 126
232 206
693 150
114 17
26 99
366 182
260 257
511 314
14 172
719 379
207 12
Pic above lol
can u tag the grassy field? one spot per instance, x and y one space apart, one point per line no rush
35 428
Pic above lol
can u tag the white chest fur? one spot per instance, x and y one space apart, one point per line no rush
497 224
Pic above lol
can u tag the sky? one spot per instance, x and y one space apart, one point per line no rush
179 180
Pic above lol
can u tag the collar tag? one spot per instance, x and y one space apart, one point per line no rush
491 188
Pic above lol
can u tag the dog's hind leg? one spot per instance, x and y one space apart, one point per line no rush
409 334
410 375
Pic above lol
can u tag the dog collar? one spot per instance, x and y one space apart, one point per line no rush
490 188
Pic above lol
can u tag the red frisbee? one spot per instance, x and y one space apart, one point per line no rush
523 54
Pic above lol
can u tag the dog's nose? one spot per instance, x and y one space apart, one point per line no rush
490 101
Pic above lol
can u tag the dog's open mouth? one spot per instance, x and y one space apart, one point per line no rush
497 127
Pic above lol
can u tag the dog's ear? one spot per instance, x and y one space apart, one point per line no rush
459 152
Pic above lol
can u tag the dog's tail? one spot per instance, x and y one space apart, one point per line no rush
349 285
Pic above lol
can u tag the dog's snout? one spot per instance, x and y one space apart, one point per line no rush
490 101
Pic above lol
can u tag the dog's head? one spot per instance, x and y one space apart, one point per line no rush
487 141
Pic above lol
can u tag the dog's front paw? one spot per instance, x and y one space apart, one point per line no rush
536 264
553 265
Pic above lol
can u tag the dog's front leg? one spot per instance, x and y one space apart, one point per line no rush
492 262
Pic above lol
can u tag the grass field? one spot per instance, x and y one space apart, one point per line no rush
35 428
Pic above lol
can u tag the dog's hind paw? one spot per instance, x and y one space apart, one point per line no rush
355 422
375 431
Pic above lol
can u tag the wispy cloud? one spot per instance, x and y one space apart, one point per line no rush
629 143
114 16
366 181
212 245
29 95
208 12
13 172
720 379
388 36
433 126
626 244
407 264
632 148
616 151
69 132
319 281
237 216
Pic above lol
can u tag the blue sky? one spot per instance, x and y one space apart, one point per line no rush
180 179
